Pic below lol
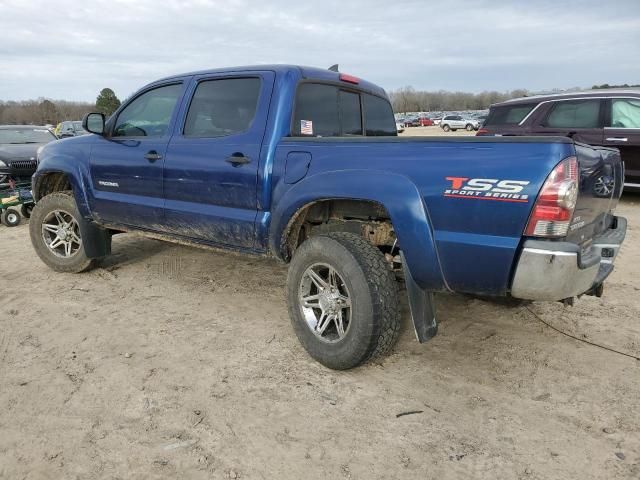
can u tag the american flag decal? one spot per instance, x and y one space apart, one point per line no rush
306 127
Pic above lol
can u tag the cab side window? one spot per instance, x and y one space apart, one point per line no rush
222 107
574 114
149 114
625 113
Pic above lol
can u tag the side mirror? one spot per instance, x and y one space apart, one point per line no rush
94 123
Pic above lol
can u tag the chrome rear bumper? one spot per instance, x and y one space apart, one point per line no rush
558 270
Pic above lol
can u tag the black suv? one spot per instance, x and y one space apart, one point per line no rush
598 117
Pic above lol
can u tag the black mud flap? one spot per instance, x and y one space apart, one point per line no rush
95 239
423 309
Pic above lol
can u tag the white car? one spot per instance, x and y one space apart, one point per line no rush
455 122
400 127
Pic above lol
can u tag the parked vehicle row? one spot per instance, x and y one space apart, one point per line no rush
305 165
609 118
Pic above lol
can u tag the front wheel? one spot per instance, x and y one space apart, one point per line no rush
469 128
55 233
343 300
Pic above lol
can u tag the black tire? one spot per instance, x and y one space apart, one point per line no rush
469 128
446 128
77 263
11 218
375 317
26 210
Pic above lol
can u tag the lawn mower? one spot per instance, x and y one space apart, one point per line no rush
14 195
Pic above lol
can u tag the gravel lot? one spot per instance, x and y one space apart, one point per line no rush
177 362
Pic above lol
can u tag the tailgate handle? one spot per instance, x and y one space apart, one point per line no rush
617 139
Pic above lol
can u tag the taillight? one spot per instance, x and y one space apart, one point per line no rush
482 131
554 207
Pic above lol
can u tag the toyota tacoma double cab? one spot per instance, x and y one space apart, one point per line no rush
305 165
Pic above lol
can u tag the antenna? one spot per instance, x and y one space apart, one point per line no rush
334 68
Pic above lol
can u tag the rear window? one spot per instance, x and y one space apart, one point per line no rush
509 114
351 114
329 111
574 114
378 116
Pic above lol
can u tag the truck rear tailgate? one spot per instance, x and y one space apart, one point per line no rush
600 187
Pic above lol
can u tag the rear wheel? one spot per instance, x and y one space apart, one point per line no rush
343 300
11 218
55 233
446 128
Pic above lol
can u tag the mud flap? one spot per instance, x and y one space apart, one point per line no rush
423 309
96 240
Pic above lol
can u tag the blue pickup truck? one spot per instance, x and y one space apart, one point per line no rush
305 165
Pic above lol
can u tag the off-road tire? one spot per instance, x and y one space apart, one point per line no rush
375 314
11 218
58 200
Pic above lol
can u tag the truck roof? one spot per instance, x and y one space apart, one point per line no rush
606 93
308 73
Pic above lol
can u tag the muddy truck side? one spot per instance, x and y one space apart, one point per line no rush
305 165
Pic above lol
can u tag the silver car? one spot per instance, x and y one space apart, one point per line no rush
455 122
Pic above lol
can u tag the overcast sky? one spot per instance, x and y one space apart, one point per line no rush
70 50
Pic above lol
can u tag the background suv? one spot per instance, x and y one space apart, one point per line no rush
597 117
455 122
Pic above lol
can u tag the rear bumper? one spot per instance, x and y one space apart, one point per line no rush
558 270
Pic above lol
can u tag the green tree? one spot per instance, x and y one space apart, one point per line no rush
107 102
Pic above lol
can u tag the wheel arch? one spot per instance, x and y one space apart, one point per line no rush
48 181
392 194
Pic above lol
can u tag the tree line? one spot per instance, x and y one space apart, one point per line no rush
408 99
44 111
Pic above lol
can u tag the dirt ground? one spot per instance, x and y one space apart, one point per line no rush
177 362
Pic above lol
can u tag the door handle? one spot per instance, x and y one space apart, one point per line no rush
237 159
152 156
617 139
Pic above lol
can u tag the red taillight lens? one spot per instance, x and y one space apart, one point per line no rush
349 78
482 131
554 207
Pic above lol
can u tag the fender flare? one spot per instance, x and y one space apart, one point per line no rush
401 198
76 179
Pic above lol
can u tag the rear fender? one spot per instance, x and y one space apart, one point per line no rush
396 193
